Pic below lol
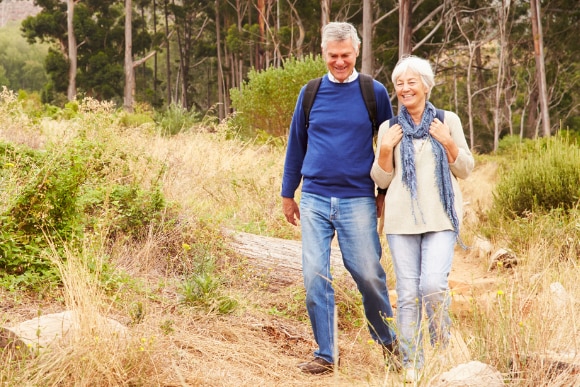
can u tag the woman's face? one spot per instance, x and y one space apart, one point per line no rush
411 91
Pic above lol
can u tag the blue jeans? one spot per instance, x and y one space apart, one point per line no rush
355 222
422 263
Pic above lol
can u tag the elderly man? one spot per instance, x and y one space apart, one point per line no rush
332 155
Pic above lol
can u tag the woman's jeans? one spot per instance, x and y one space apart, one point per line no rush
422 264
355 222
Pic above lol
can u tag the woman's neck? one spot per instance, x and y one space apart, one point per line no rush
416 114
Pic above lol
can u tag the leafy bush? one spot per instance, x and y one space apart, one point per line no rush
543 176
175 120
202 290
266 101
23 62
53 197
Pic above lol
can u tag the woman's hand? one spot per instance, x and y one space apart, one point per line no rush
391 138
441 132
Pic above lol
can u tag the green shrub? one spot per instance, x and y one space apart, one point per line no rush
130 208
54 196
266 101
175 120
203 290
541 177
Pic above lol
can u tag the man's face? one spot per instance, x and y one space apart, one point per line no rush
340 57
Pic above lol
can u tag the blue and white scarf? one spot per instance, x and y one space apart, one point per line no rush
442 172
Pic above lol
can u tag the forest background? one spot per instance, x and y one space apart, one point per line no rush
131 209
196 55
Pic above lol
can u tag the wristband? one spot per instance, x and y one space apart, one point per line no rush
381 191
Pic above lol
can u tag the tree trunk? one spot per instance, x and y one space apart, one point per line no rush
540 70
72 52
367 38
155 69
129 71
405 28
183 66
301 31
480 103
221 86
470 96
167 55
325 12
503 13
262 25
239 77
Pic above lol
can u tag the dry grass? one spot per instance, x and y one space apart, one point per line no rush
230 184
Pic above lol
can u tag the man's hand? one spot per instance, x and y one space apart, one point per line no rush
291 210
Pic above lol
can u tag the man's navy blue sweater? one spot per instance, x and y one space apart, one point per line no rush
335 154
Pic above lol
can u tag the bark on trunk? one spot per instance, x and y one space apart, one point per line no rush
540 69
72 52
405 28
367 38
129 71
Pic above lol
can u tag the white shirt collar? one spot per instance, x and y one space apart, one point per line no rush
351 78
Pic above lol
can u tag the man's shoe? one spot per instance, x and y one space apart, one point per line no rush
391 355
317 366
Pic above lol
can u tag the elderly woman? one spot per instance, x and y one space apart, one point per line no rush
420 155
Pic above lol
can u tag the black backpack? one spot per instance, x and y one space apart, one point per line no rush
366 87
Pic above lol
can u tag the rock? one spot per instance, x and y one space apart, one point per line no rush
481 247
502 258
560 297
472 374
32 336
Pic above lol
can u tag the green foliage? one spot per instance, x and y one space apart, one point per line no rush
59 194
132 207
99 26
133 120
266 101
202 290
175 120
21 64
509 144
543 176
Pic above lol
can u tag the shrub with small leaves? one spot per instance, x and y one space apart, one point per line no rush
175 120
202 290
266 101
54 196
541 178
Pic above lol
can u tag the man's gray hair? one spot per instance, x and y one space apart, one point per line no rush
339 31
416 65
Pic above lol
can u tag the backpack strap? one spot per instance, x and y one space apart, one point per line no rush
368 93
308 100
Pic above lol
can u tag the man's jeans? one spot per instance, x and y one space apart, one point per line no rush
422 264
355 222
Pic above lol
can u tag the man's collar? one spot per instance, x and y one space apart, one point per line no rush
351 78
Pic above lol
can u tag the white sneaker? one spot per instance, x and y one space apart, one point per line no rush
410 375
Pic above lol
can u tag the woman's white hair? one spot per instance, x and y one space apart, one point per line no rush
418 66
339 31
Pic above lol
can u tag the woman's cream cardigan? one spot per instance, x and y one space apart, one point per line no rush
402 214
